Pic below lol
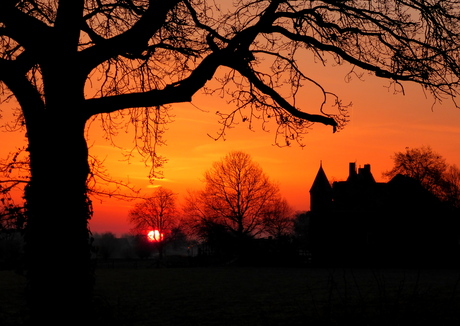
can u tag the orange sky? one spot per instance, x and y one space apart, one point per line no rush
381 124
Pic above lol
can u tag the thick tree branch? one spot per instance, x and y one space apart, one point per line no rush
181 91
133 40
68 22
13 75
32 34
339 51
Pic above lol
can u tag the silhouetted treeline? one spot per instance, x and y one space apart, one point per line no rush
357 222
219 248
11 249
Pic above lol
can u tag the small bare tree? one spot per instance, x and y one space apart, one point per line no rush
156 213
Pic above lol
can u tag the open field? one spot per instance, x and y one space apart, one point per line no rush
260 296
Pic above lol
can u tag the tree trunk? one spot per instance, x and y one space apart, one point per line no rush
60 277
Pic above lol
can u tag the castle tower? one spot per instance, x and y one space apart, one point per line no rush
320 192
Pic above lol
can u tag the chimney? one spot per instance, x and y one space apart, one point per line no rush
367 168
365 174
352 171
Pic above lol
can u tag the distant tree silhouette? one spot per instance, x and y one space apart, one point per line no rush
301 227
12 220
216 239
421 164
143 55
157 212
278 218
105 244
451 188
12 214
143 248
13 175
430 170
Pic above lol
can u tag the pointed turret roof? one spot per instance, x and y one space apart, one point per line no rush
321 183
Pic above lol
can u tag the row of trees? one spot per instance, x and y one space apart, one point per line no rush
238 201
237 204
107 246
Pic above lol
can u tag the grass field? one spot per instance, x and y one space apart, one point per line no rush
260 296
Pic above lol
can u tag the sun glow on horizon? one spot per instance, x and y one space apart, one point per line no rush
155 236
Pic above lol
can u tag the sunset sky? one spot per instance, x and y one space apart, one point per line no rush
381 123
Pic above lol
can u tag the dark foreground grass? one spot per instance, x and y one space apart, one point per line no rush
233 296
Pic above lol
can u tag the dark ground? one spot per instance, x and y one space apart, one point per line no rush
136 294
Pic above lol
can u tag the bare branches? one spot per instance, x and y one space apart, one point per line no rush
429 169
228 48
15 168
101 184
148 54
247 72
14 172
399 40
131 36
236 194
157 212
150 126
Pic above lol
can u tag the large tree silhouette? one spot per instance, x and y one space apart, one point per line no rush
237 195
147 54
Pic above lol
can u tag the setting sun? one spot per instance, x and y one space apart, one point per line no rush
155 236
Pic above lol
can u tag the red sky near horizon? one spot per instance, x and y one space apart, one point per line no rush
381 123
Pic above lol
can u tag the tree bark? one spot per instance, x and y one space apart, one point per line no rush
60 277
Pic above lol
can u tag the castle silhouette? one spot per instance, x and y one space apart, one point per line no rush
361 222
